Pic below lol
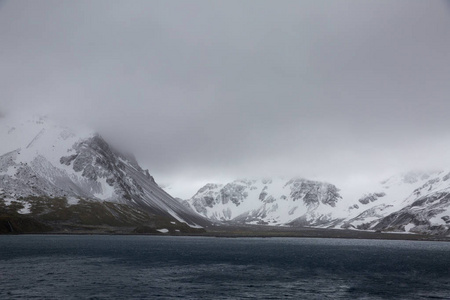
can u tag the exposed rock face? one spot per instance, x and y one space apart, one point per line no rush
235 192
313 192
207 200
366 199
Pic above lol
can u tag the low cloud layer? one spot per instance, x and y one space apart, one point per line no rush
207 90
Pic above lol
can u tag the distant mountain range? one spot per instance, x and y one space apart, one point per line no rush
414 202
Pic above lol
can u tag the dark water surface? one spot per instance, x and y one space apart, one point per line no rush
149 267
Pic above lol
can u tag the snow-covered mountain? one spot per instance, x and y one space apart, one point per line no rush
267 201
410 202
41 158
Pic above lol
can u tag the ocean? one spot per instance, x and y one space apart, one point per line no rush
160 267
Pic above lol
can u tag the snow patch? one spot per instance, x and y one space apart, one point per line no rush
194 226
409 226
25 209
107 190
163 230
72 200
438 220
11 171
8 201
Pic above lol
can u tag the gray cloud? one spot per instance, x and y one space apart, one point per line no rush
210 89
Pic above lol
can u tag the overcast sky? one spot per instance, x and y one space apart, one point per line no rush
202 91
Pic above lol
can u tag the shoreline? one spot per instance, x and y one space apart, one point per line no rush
225 232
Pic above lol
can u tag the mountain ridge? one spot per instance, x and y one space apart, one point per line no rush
411 202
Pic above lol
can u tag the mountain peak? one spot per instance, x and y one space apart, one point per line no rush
45 159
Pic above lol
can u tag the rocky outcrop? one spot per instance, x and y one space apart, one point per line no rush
366 199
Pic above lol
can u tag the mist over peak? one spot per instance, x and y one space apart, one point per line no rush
209 90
